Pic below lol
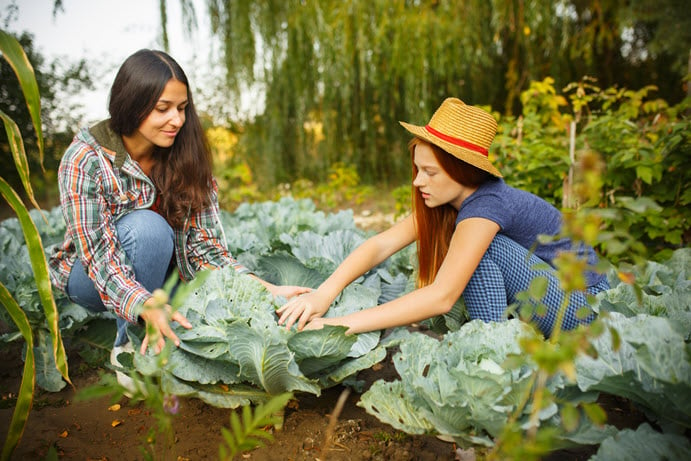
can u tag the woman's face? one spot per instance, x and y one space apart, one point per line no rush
163 123
435 185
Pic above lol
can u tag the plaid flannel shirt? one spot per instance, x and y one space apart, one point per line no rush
99 183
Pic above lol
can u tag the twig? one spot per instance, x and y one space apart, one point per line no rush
333 419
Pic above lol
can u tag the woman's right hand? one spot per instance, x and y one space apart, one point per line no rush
158 325
302 309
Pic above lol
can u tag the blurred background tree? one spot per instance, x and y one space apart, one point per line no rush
58 82
356 68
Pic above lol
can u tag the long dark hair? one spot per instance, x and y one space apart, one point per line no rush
181 173
435 225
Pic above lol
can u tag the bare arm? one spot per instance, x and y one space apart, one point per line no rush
372 252
469 243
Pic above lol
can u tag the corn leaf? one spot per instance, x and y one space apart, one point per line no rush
17 147
40 268
25 397
15 56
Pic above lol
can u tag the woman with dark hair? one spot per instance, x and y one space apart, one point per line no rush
140 202
475 235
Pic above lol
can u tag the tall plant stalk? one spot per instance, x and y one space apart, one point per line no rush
14 54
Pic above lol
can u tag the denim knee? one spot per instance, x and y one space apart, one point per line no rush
148 241
145 227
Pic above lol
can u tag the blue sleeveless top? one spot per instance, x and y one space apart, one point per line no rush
523 216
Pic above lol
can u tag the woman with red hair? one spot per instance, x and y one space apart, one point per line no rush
476 236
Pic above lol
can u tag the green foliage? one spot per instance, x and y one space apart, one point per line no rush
468 385
401 195
648 363
17 275
26 390
662 289
640 146
250 431
645 443
356 68
531 151
342 188
263 359
446 386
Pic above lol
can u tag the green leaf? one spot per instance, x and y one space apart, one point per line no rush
42 279
538 287
267 362
645 173
457 385
569 417
26 390
248 432
643 443
14 137
651 366
595 413
14 54
316 350
640 205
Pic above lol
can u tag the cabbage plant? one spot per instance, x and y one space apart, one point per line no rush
237 354
649 363
464 387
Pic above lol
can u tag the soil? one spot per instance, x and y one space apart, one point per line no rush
97 430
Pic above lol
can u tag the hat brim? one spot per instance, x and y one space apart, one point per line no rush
473 158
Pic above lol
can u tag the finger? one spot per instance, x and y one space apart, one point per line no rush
282 309
182 320
299 291
168 333
291 320
145 344
160 344
304 318
286 313
300 317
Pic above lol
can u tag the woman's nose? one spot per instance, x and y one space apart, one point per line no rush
177 119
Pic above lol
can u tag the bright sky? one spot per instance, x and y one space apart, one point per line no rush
105 32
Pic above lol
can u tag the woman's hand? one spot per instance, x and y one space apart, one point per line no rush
288 291
317 323
158 325
303 309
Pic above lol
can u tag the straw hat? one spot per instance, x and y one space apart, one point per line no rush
464 131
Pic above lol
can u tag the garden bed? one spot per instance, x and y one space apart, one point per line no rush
95 430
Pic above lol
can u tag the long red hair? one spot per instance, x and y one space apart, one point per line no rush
435 226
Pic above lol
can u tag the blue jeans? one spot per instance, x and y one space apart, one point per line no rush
148 242
505 270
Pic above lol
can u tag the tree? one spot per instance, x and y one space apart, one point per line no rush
57 83
355 68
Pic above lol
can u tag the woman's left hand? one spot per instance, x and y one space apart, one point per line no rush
288 291
316 323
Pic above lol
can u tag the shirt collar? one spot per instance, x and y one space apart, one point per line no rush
110 140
